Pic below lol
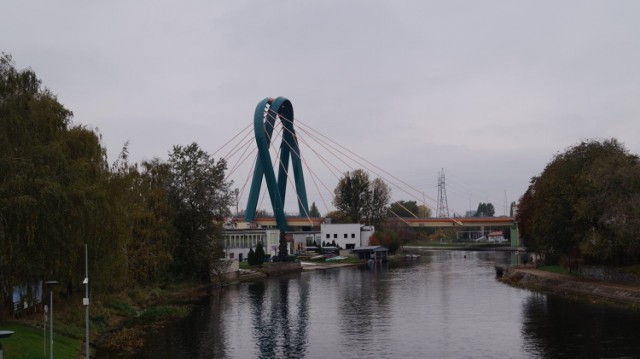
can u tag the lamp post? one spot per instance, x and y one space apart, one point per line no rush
237 192
51 283
85 300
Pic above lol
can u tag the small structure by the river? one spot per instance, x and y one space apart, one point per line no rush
375 253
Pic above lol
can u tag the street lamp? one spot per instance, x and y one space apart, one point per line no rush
51 283
237 192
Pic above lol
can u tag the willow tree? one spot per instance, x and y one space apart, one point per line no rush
51 176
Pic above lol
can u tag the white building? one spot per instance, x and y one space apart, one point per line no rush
238 242
302 239
346 235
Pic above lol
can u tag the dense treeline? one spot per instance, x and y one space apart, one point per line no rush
585 206
144 223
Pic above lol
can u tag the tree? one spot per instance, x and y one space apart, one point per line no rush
337 217
201 199
149 251
388 239
351 195
282 248
424 211
314 212
403 209
259 253
585 203
485 210
53 187
358 199
251 257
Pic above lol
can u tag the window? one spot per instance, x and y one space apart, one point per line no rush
353 235
335 235
328 235
345 235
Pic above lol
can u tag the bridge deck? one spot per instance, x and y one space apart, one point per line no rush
413 222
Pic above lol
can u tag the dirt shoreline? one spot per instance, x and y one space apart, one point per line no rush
573 287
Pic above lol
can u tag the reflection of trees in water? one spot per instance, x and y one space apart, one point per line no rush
557 328
280 332
215 333
364 304
201 335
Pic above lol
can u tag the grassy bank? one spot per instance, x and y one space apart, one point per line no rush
28 343
555 269
117 320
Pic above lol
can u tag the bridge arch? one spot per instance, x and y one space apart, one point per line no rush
267 112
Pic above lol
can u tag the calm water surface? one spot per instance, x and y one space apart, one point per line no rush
442 306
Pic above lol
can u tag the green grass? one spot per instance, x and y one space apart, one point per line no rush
555 269
163 312
28 343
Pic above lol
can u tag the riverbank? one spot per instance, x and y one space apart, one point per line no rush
465 247
111 316
573 287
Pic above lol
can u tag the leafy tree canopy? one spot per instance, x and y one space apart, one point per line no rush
201 199
360 200
314 212
585 203
485 210
404 209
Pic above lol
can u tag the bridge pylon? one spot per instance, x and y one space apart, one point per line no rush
267 112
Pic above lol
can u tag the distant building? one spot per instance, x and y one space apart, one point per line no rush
304 239
238 242
239 238
496 237
346 235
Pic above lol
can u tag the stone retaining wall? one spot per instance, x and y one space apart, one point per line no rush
573 288
608 274
281 268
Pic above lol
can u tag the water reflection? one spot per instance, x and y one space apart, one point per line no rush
557 328
445 305
364 309
280 318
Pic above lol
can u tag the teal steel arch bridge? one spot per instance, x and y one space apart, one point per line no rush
267 112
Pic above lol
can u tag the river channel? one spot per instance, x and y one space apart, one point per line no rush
446 304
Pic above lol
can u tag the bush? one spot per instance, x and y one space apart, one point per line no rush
251 258
259 254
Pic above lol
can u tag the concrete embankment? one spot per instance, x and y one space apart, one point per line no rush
573 287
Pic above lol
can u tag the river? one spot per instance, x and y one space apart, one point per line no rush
446 304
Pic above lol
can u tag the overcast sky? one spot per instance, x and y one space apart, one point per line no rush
488 91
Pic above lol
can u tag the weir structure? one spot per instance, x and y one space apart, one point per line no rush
264 120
